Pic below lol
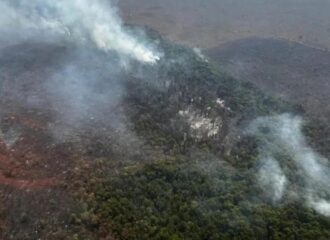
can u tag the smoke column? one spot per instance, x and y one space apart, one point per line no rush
272 179
79 21
282 135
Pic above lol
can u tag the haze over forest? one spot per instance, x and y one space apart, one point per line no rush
237 34
164 119
208 23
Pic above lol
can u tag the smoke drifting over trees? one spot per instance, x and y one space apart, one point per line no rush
141 138
80 21
89 49
282 140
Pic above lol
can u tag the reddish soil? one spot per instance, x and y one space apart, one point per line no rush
34 166
26 121
33 172
20 164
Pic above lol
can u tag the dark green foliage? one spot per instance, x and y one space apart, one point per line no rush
178 200
181 81
206 192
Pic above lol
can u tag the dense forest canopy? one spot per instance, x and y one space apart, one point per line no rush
110 131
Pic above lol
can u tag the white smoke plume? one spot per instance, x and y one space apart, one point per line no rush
79 21
282 135
320 205
272 178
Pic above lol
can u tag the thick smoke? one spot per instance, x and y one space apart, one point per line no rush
320 205
63 59
81 21
282 140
